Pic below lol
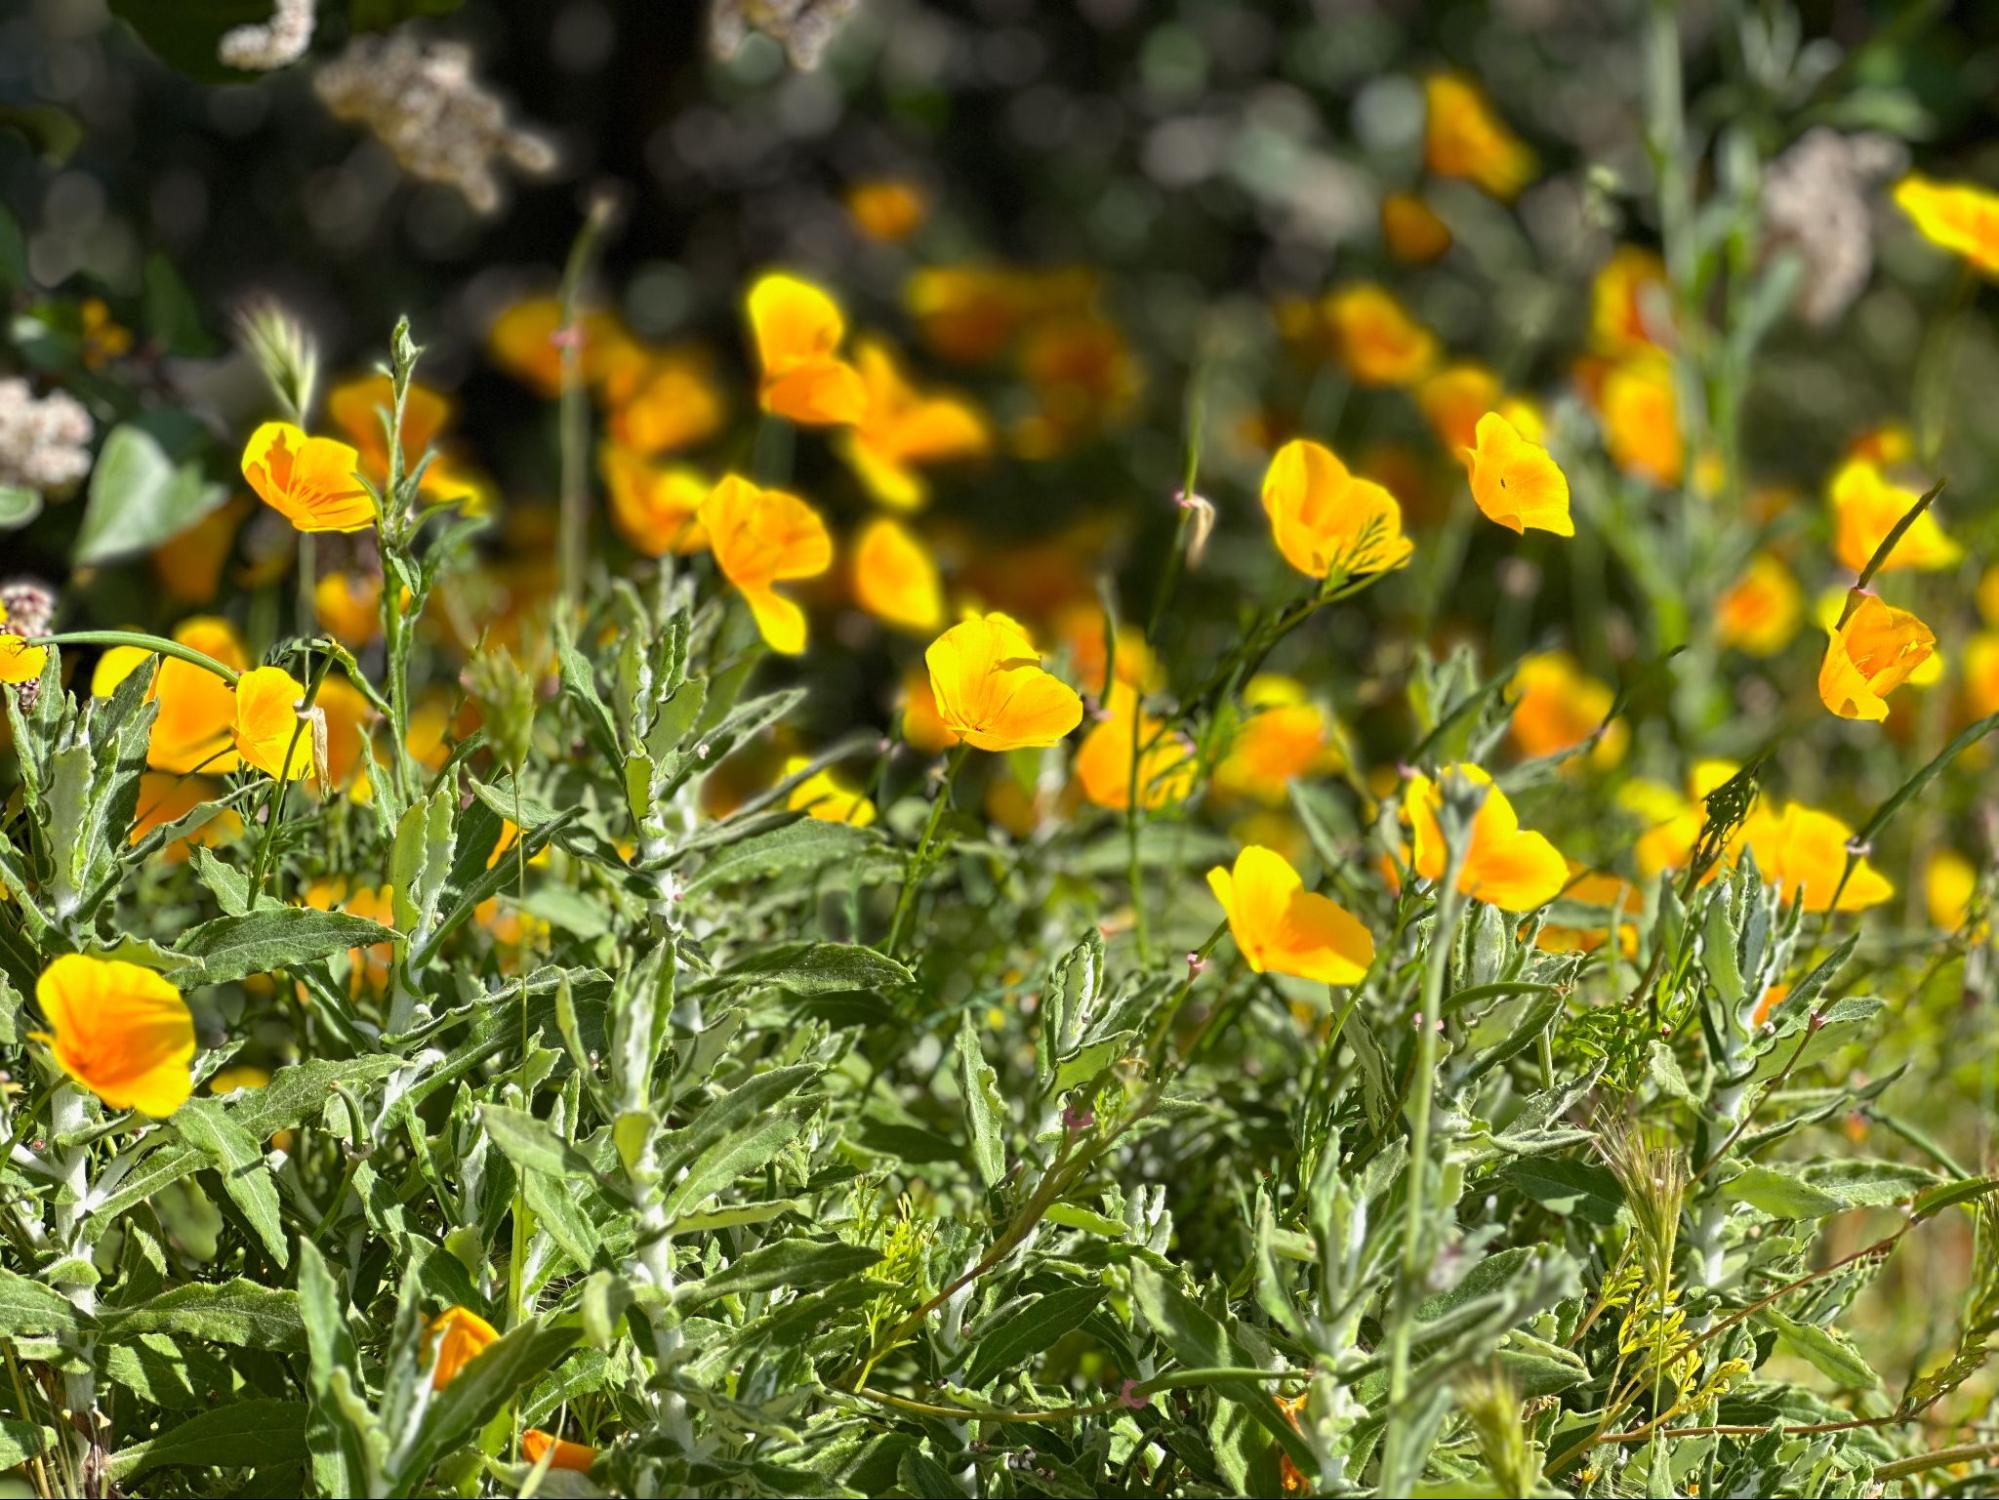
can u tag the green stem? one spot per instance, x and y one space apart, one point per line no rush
913 874
158 645
574 536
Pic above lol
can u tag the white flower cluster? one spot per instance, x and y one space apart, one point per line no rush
264 45
421 101
803 27
45 444
1817 200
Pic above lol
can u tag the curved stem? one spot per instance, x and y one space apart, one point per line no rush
157 644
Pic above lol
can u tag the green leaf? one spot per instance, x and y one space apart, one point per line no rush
281 938
239 1313
745 1149
800 1263
1781 1195
818 969
18 506
256 1434
1948 1195
1826 1349
1582 1189
1030 1331
29 1309
139 498
208 1126
808 844
533 1145
985 1111
345 1450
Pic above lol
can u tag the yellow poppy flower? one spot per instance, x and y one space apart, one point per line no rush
903 430
1981 674
1453 399
348 607
655 507
1949 882
311 481
967 314
798 329
922 726
526 340
1411 229
1079 631
267 731
1506 865
991 689
367 968
1641 421
241 1076
357 407
1865 508
761 538
1629 301
825 797
1803 851
458 1335
197 709
20 662
888 209
1673 823
1084 376
1868 656
1516 482
1282 928
1957 216
1283 737
1761 611
1378 342
165 797
1325 519
1462 137
1558 706
667 401
120 1031
1165 761
895 579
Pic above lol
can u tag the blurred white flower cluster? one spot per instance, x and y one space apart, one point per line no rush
803 28
265 45
44 444
420 100
1817 200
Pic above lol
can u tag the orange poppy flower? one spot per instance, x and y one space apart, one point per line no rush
798 329
121 1031
824 796
1558 706
313 482
991 690
1284 736
922 725
1378 342
576 1457
1762 609
348 607
197 709
895 578
1515 482
1866 507
654 506
1506 865
268 731
761 538
1870 654
1803 851
1981 674
189 563
1462 137
526 341
1411 229
1325 519
1641 420
1629 301
888 210
1104 764
165 797
1282 928
903 430
666 401
458 1336
1957 216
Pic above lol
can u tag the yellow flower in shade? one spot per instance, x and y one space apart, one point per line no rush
1761 611
655 506
1378 342
526 341
1865 508
1453 399
575 1457
762 538
1282 928
457 1336
1949 882
798 329
104 338
1803 851
367 968
1558 706
1988 595
1515 482
1283 737
242 1076
991 690
895 578
903 430
1506 865
967 314
313 482
1641 420
165 797
189 563
1079 632
888 209
20 662
1104 764
358 408
1957 216
268 732
1325 519
197 709
348 607
120 1031
665 401
1411 229
824 796
1981 674
1630 303
1462 137
922 725
1672 822
1084 377
1870 654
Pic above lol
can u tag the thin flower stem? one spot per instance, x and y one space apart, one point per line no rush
913 872
575 413
158 645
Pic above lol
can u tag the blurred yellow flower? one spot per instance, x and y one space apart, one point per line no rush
1454 398
761 538
967 314
1673 822
1079 631
103 338
895 578
165 797
313 482
1803 851
1378 343
1641 420
239 1076
189 563
1516 482
922 726
1949 882
1283 737
1282 928
368 968
798 329
121 1031
1411 229
268 731
991 690
1462 137
1163 772
1630 303
1957 216
458 1336
359 406
1324 519
197 709
526 341
1505 865
1084 377
1557 706
654 506
824 796
349 717
667 400
1870 654
348 607
20 662
903 431
1988 595
1865 508
1981 674
1761 611
887 209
